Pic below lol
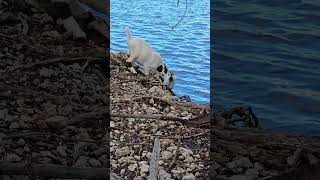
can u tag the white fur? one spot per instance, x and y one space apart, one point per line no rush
142 53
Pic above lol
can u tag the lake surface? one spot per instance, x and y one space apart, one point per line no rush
185 49
266 55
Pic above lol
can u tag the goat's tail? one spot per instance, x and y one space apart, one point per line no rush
126 29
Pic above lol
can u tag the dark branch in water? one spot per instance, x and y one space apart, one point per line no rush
184 14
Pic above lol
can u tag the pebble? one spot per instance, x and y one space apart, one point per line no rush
144 168
166 155
132 167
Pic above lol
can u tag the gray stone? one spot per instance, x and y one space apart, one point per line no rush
123 151
95 163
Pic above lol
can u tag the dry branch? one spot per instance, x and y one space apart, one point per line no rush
154 161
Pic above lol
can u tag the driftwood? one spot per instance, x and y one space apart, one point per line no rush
154 161
50 170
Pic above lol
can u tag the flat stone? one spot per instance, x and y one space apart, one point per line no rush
123 151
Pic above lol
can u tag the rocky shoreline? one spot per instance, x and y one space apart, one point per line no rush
184 151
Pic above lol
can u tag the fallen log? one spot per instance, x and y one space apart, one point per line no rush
50 170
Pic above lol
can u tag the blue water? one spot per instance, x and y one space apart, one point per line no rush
266 55
185 49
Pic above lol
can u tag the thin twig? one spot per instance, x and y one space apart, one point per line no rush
184 14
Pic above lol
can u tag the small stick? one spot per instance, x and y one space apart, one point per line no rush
184 14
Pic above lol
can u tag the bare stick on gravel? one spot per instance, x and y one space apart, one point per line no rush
154 161
161 117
